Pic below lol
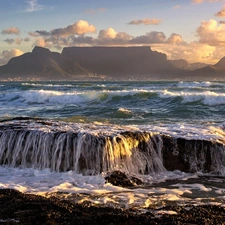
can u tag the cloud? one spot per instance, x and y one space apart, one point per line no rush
79 28
202 1
149 38
176 7
34 34
17 41
9 41
78 41
193 52
105 37
11 30
6 55
211 33
145 21
111 37
175 39
42 43
221 13
109 33
27 39
33 6
95 10
197 1
211 43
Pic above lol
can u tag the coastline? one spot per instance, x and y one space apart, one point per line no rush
19 208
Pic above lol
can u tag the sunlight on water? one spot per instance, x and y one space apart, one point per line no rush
79 132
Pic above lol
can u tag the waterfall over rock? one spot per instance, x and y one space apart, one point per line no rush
62 147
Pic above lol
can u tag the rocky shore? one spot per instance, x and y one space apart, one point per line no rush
18 208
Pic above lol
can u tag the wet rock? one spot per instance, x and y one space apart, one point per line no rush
119 178
23 209
89 154
192 155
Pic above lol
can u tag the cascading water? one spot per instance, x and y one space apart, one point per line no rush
39 145
81 152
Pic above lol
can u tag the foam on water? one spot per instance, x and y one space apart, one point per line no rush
160 186
46 85
195 84
79 188
62 97
207 97
210 98
189 110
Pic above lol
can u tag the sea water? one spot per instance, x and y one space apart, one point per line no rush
189 110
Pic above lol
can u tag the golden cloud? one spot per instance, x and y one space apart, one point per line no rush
211 33
176 7
11 30
7 55
193 52
197 1
221 13
42 43
201 1
146 21
175 39
109 33
79 28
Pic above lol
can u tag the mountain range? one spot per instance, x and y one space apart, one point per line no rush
111 63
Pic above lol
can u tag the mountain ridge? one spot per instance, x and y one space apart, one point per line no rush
106 63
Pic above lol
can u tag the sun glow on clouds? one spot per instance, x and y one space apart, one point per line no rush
192 52
11 30
202 1
109 33
146 21
208 46
176 7
6 55
221 13
211 33
79 28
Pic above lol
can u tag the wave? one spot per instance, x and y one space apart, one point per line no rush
46 85
210 98
125 111
195 84
75 97
207 97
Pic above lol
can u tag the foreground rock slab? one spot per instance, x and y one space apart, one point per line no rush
18 208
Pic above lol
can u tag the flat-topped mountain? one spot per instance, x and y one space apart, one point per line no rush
116 61
106 62
83 63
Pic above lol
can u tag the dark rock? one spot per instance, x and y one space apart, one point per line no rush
192 155
23 209
158 150
119 178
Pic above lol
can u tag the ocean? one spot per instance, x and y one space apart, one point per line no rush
62 139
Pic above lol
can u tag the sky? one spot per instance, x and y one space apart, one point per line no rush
193 30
